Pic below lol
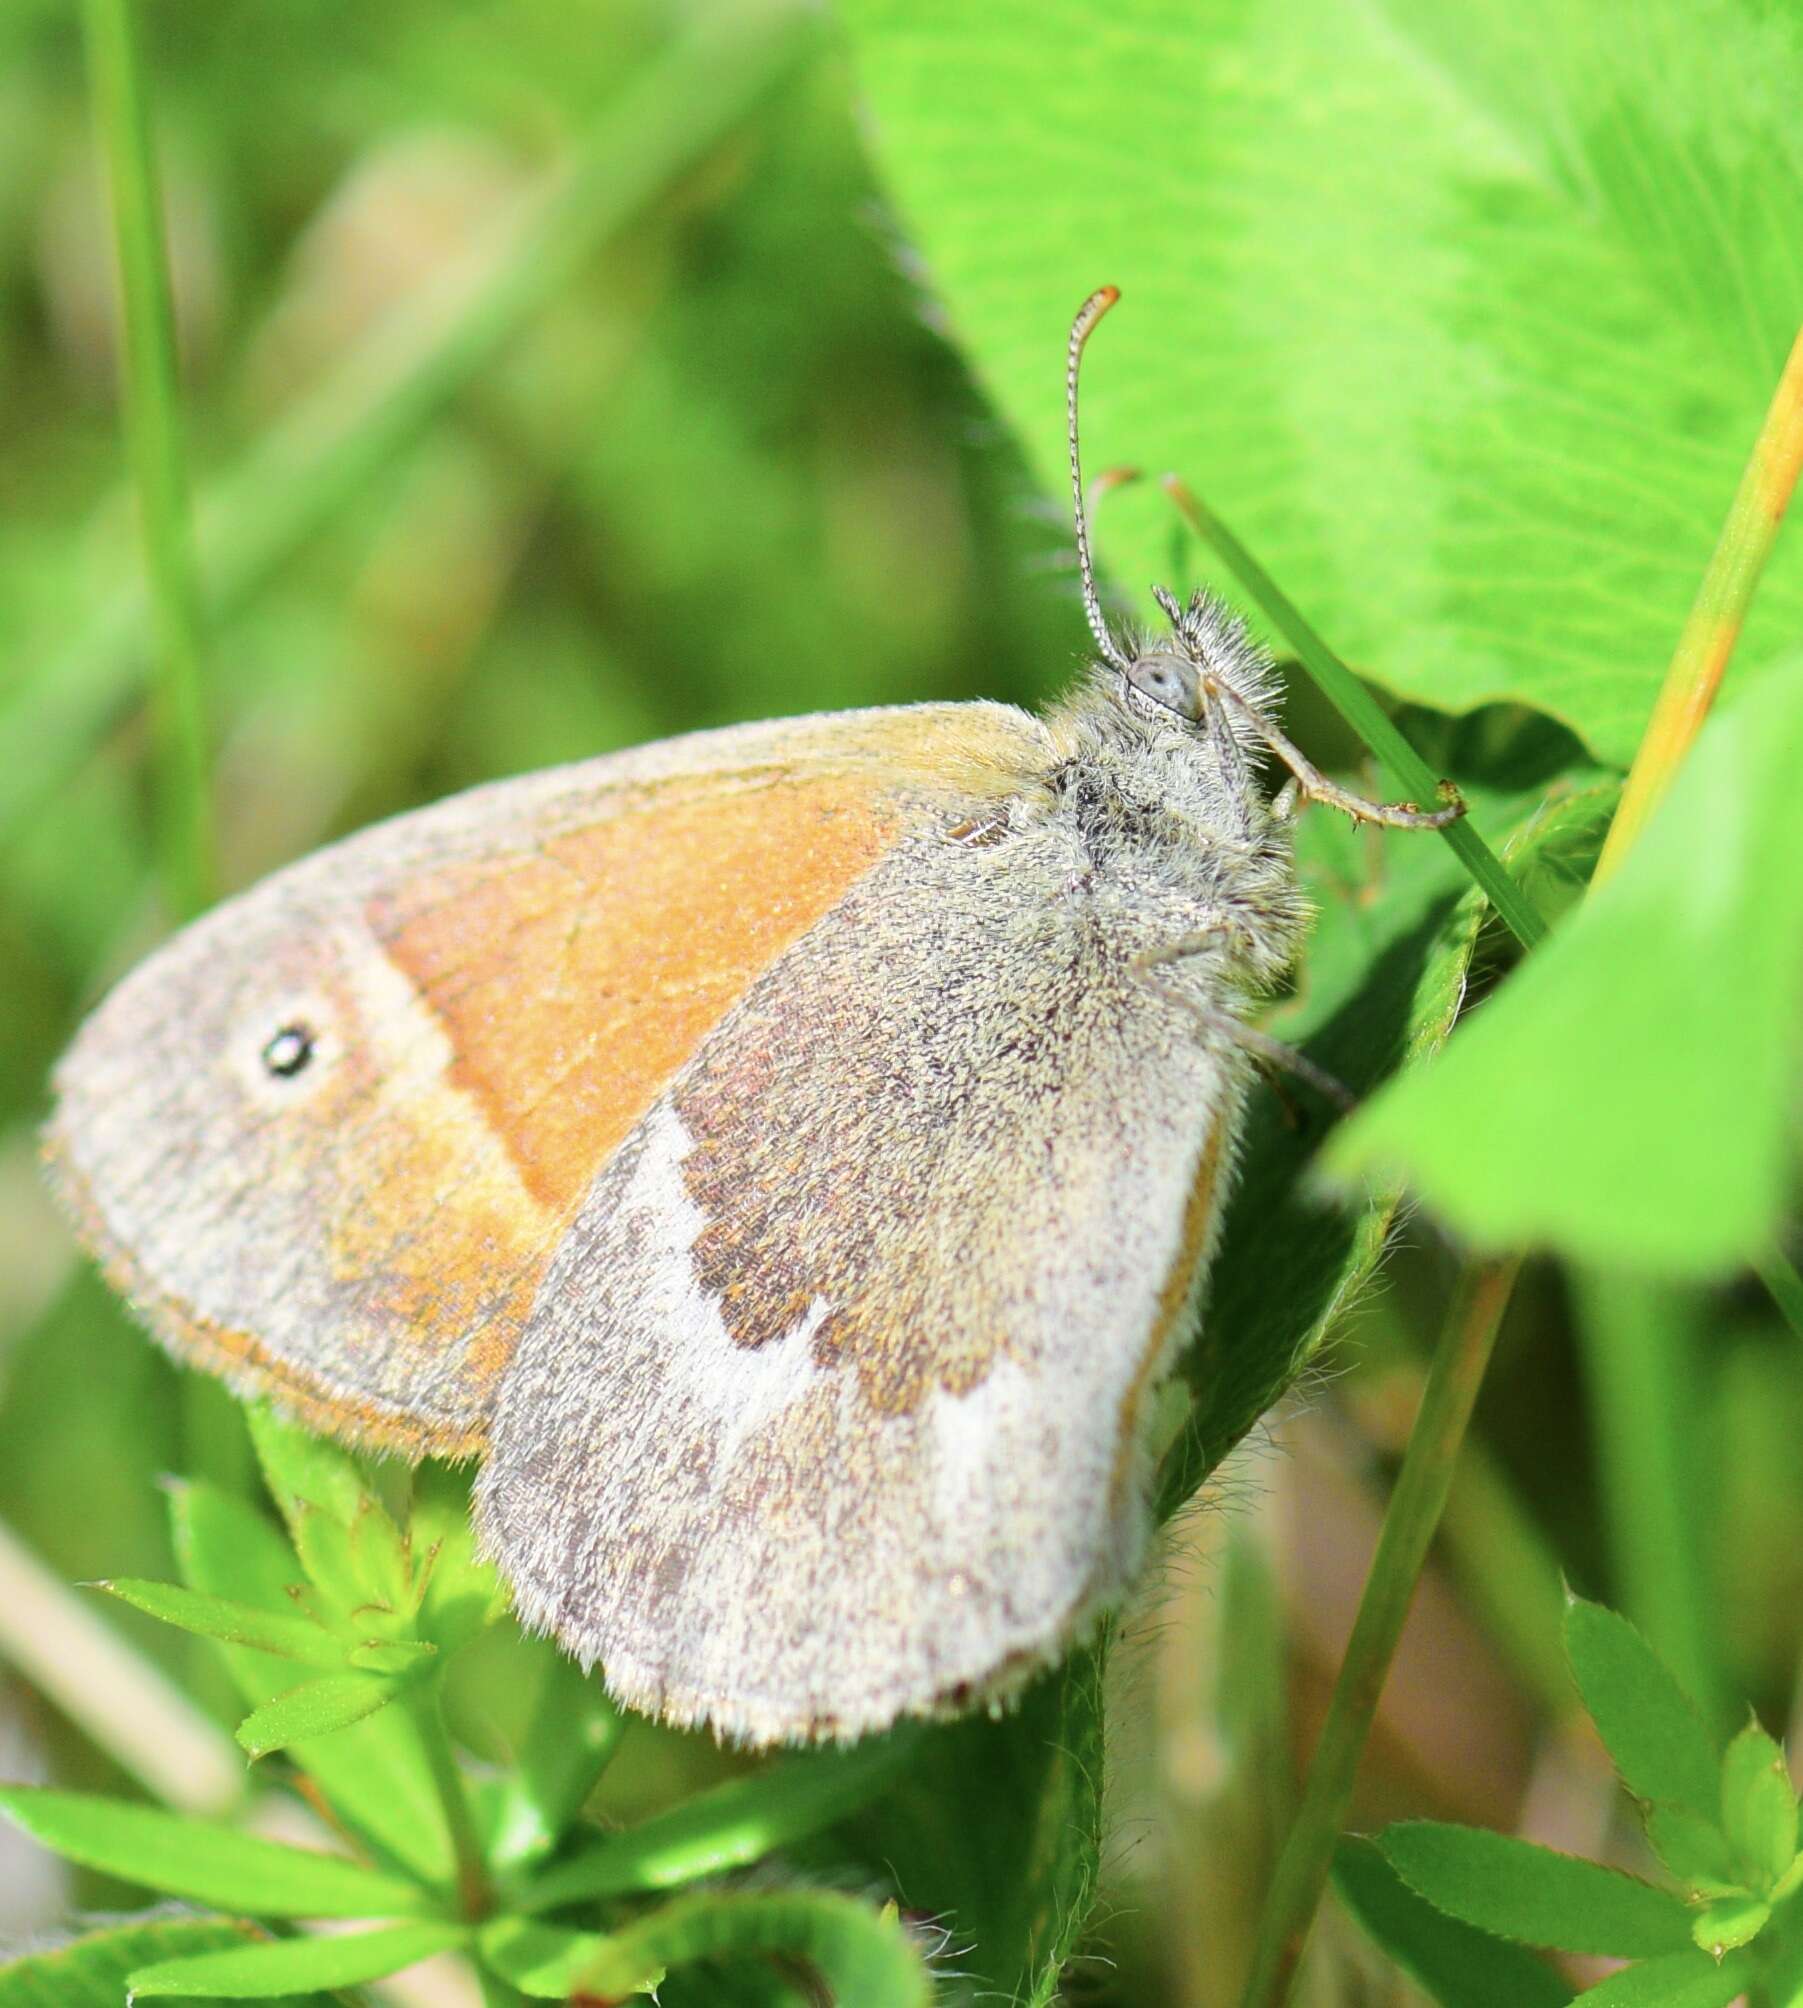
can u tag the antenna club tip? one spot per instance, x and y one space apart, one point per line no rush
1107 295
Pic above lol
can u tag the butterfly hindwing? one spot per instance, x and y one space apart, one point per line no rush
833 1403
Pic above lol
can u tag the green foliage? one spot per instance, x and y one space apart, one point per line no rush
1648 1724
1724 1823
519 1860
1450 1960
1626 1101
259 1971
1466 326
91 1970
1463 318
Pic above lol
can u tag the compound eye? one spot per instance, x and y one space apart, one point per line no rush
1168 680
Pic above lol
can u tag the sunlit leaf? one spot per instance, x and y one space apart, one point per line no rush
287 1634
1691 1979
316 1708
1624 1099
203 1859
729 1827
260 1971
1465 318
89 1971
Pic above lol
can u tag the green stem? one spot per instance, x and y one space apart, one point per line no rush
305 474
1448 1397
475 1897
1638 1342
1349 697
152 401
1714 625
1778 1273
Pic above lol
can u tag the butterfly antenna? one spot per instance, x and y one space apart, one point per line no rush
1088 315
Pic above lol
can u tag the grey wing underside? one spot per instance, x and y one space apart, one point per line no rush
832 1406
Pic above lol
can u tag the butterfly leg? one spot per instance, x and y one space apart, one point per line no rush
1311 785
1272 1053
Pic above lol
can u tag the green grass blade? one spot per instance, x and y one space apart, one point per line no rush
1453 1380
1640 1345
153 425
327 451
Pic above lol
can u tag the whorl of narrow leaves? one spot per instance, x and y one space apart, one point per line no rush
1725 1824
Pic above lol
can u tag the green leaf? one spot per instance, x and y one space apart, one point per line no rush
90 1971
546 1962
1694 1849
1457 1965
1624 1099
1759 1807
1648 1724
864 1955
263 1970
203 1859
729 1827
287 1634
392 1655
1461 318
1679 1980
461 1593
1733 1921
1517 1890
377 1774
304 1471
571 1737
316 1708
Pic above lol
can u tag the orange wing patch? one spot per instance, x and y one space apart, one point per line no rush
575 982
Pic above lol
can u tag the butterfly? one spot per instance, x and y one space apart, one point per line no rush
789 1157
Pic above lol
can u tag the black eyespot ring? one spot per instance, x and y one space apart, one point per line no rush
288 1052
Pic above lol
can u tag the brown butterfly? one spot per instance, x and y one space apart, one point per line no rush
788 1156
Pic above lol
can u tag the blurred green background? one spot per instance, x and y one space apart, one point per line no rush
721 463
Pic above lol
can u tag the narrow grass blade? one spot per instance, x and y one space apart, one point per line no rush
1453 1380
329 449
153 425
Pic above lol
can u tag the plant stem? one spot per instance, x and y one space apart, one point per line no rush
312 466
1453 1379
1714 625
1778 1273
1639 1346
150 390
1363 713
475 1897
